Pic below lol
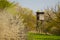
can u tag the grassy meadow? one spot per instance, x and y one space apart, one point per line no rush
36 36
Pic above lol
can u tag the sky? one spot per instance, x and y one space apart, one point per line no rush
37 4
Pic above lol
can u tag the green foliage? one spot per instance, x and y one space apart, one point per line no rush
53 22
4 4
26 14
29 19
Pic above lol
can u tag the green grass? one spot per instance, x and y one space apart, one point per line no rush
33 36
